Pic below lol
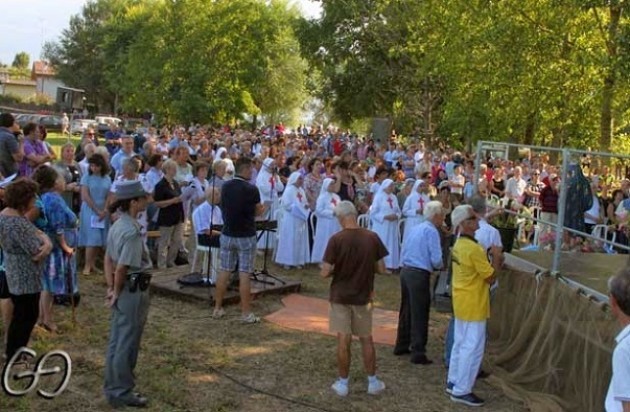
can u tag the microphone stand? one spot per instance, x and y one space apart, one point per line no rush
207 279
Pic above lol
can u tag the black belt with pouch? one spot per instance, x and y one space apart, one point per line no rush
139 281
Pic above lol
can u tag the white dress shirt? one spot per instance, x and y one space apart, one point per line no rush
619 389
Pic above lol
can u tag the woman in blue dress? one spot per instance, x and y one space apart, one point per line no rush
59 276
94 217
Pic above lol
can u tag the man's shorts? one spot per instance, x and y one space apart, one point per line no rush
241 250
351 319
4 286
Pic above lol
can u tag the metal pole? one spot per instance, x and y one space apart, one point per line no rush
562 204
477 166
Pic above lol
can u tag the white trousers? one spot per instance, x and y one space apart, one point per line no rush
466 356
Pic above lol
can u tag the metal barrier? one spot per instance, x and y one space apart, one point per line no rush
562 201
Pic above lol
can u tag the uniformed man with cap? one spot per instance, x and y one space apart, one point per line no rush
126 264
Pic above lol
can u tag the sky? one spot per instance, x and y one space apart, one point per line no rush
27 24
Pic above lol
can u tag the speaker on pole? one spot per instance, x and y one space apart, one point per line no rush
381 129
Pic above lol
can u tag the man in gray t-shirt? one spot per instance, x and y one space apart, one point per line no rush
10 150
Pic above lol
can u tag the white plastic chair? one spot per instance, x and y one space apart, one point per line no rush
601 232
536 235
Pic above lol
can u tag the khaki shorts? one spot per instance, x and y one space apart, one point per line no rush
351 319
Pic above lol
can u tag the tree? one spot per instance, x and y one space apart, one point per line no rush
21 60
190 60
536 72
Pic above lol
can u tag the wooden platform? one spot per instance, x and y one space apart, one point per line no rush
165 282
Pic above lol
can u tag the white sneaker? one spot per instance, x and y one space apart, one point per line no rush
376 387
340 388
218 313
251 318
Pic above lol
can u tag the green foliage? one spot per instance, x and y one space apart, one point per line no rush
190 60
530 71
40 99
21 60
10 99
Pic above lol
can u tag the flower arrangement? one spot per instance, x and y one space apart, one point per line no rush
501 219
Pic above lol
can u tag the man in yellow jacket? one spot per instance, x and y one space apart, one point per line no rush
472 276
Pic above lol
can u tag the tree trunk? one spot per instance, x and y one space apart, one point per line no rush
530 129
606 122
556 141
608 91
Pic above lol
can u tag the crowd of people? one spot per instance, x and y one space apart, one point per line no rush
316 184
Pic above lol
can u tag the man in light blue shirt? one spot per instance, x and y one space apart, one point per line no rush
125 152
421 255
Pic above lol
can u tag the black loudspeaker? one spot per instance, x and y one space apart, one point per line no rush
381 129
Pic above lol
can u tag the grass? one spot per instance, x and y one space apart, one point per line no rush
57 140
190 362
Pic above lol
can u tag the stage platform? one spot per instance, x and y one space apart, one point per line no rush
165 282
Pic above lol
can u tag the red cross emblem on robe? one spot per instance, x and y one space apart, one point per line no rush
334 202
421 203
391 202
272 182
299 196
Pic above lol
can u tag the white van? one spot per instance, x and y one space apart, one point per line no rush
107 120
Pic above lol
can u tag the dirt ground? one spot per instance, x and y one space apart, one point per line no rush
190 362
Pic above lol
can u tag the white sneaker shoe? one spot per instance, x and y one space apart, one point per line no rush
376 387
218 313
340 388
251 318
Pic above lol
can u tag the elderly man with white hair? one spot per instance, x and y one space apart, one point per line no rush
472 276
421 255
352 258
516 185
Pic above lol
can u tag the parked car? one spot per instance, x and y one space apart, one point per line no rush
104 124
107 120
51 123
131 125
24 118
79 126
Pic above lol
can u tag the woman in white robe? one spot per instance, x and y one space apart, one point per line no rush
269 186
413 208
384 214
293 230
327 224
